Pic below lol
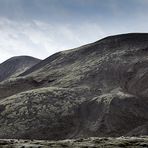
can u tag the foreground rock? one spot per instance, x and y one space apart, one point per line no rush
128 142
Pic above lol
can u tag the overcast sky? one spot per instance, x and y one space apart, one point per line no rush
40 28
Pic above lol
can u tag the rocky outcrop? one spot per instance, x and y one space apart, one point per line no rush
99 89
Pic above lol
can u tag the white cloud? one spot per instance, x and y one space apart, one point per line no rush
40 39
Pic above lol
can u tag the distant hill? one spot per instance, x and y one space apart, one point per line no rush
16 65
99 89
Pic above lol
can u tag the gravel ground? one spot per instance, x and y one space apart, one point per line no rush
93 142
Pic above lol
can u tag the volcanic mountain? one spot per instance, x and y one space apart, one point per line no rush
16 65
99 89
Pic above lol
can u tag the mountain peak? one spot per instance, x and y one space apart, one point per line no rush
16 65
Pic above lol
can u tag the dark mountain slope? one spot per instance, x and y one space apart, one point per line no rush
41 64
99 89
109 43
106 64
16 65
